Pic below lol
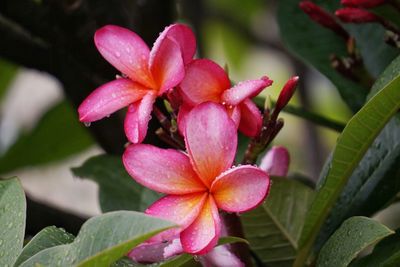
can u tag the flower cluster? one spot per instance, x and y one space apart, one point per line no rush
201 181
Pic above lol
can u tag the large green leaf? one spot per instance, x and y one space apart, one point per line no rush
117 190
385 254
376 180
49 237
315 44
273 229
351 146
12 220
57 135
353 236
102 240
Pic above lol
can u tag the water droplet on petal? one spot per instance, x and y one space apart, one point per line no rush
87 124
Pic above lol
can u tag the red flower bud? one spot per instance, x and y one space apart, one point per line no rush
286 94
356 15
322 17
362 3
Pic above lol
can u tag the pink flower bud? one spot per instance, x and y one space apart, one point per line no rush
362 3
286 94
356 15
322 17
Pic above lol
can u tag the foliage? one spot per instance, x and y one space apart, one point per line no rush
12 220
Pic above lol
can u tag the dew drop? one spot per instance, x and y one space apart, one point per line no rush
87 124
117 54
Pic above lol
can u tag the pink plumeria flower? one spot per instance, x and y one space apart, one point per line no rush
199 183
276 161
207 81
147 74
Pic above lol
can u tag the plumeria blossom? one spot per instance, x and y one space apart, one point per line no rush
276 161
146 74
200 182
207 81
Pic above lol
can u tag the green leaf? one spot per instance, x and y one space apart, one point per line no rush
370 41
57 135
117 190
177 261
315 44
12 220
8 71
102 240
351 146
273 229
386 254
353 236
376 180
49 237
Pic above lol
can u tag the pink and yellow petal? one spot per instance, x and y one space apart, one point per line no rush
211 140
167 66
251 119
137 118
164 170
243 90
204 81
185 38
241 188
203 234
109 98
180 209
126 51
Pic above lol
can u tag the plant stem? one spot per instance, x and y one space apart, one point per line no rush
307 115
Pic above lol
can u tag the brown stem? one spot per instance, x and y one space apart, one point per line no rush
170 135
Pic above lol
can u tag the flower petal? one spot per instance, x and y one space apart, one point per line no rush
180 209
137 118
174 248
126 51
203 234
109 98
182 115
204 81
235 114
164 170
240 189
221 256
185 38
251 119
211 140
167 67
246 89
276 161
149 252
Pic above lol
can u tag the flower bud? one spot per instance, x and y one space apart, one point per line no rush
286 94
362 3
322 17
356 15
